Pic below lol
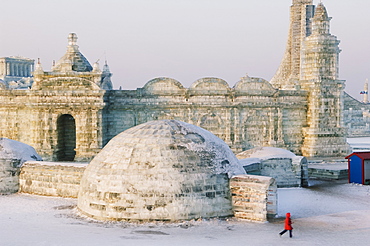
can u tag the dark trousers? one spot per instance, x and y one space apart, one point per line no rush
290 232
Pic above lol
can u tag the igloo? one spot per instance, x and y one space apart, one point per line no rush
160 170
12 155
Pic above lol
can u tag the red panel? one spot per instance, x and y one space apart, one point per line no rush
362 155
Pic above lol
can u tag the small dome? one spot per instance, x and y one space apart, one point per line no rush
160 170
163 86
265 153
210 85
11 149
254 87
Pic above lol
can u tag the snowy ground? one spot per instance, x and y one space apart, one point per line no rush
326 213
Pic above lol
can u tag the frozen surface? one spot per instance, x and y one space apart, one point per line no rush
326 213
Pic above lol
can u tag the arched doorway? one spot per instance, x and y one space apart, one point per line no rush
66 129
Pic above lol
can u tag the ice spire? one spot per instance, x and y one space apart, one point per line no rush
106 67
321 20
301 13
365 92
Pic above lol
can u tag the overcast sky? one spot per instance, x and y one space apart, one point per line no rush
182 39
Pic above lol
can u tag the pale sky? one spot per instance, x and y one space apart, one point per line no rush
182 39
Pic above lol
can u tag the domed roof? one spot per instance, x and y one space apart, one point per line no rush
11 149
163 86
160 170
254 87
73 59
210 85
266 153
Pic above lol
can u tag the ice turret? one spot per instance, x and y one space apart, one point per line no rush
325 134
73 72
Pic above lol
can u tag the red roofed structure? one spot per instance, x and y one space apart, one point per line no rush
359 168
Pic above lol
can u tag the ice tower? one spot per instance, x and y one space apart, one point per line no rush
311 63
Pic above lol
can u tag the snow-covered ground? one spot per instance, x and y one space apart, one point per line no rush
326 213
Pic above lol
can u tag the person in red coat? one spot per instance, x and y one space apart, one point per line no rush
288 226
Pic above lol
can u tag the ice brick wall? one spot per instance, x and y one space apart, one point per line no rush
254 197
12 155
9 175
282 169
356 117
51 179
251 114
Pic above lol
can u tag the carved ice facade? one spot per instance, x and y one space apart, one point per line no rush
71 112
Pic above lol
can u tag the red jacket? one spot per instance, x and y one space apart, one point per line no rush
288 222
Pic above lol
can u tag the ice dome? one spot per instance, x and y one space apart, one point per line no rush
160 170
14 150
266 153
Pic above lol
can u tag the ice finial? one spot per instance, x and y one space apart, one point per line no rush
106 67
72 39
245 78
38 67
96 67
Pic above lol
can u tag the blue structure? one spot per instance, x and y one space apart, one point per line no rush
359 168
